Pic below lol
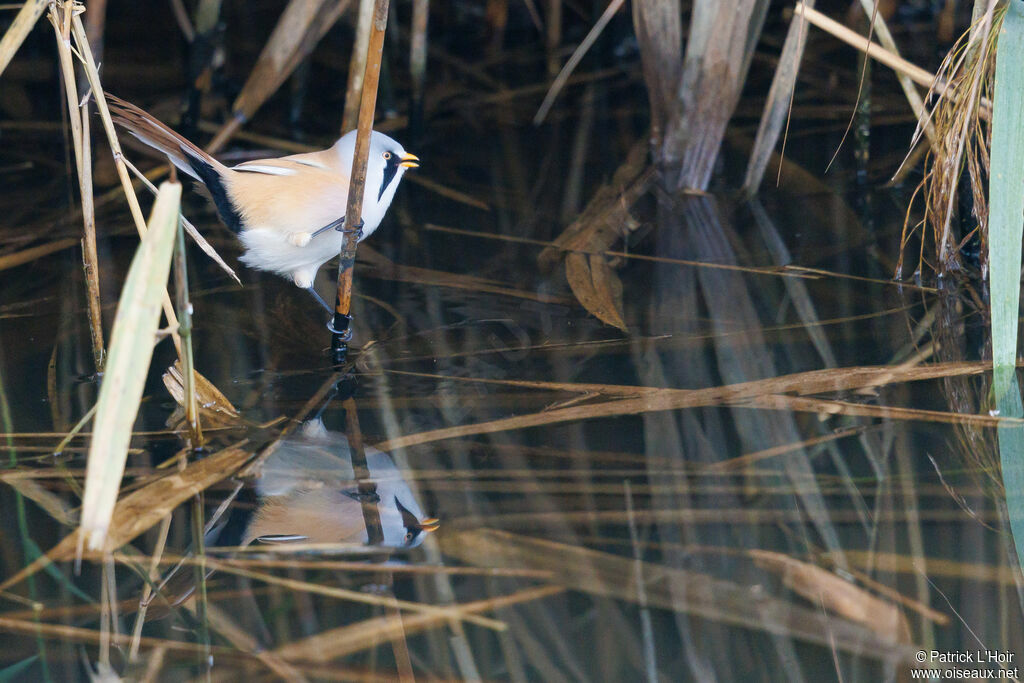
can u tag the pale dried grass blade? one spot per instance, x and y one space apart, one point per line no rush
363 635
873 50
23 22
131 349
765 392
32 253
51 503
1006 181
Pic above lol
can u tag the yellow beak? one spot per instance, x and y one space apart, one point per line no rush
430 524
410 161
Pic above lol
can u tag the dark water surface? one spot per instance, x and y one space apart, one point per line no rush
714 495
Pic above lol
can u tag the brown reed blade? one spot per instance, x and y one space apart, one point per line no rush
142 509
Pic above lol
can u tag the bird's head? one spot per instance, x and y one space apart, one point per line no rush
415 529
389 161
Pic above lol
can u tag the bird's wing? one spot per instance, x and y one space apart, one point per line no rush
323 160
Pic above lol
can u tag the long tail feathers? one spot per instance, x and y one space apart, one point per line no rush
149 130
182 153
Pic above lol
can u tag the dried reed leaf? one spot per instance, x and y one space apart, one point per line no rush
385 268
346 640
23 22
33 253
670 588
447 612
647 399
301 26
606 217
837 595
594 284
777 105
144 508
659 34
721 38
74 634
131 349
211 400
50 502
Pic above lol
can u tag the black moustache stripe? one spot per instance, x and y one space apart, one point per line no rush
389 174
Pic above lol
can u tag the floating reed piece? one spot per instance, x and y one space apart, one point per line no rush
352 228
131 350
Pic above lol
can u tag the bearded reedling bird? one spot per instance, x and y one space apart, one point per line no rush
308 493
281 208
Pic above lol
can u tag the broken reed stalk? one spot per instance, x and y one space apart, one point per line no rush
352 228
19 29
90 256
357 66
92 73
79 120
301 26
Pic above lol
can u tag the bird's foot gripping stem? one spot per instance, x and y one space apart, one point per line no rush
301 239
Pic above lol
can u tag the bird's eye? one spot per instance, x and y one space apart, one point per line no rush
387 155
408 537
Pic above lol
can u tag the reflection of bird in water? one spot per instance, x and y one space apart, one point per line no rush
307 493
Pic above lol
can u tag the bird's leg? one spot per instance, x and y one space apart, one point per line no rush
301 239
319 299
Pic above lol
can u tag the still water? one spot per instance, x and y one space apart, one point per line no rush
786 468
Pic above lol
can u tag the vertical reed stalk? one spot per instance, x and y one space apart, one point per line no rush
553 34
79 120
92 73
185 330
357 66
354 209
90 257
